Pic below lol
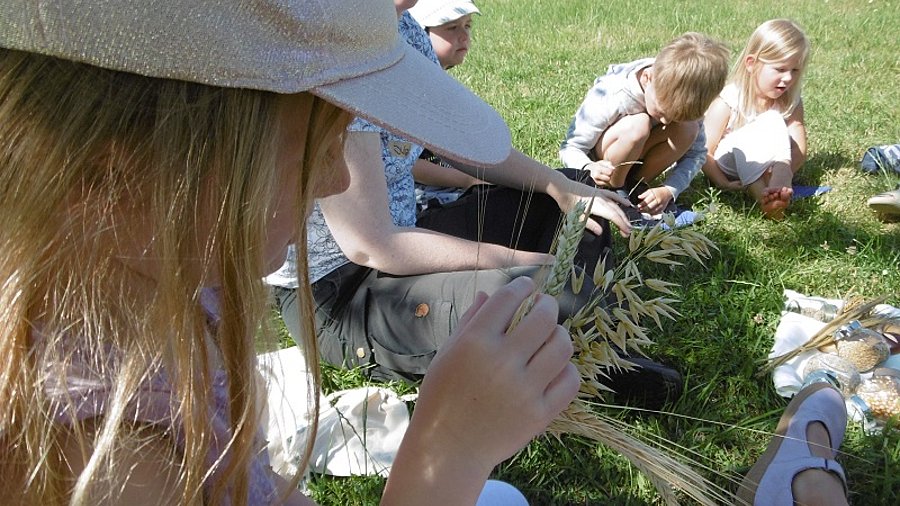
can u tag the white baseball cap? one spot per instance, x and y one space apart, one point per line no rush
345 51
429 13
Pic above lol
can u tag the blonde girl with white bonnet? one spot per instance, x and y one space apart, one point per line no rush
156 158
755 130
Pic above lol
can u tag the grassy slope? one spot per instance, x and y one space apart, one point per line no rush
533 60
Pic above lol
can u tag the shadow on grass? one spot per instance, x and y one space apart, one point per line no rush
821 163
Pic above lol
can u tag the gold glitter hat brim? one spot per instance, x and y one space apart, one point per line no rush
347 51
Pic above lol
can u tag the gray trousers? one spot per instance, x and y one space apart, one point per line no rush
390 325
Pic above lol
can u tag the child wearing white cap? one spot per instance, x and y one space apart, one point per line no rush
448 23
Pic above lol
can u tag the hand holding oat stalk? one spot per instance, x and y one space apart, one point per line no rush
600 333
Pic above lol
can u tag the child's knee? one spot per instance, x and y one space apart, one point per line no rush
633 129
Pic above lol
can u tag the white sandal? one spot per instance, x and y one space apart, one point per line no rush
769 480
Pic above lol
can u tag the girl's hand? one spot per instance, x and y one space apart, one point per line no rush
654 200
602 203
488 392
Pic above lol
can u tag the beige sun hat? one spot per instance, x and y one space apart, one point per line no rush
346 51
429 13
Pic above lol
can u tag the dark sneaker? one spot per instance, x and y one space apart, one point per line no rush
650 385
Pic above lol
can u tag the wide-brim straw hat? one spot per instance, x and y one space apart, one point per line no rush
345 51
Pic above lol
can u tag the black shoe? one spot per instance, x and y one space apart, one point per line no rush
650 385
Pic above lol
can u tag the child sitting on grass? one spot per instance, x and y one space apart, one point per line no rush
648 110
449 25
755 134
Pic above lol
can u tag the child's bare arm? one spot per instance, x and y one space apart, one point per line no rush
486 394
361 223
797 131
714 124
522 172
429 173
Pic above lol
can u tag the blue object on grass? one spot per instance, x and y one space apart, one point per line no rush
683 219
640 220
801 192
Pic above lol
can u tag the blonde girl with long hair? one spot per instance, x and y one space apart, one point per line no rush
755 130
153 168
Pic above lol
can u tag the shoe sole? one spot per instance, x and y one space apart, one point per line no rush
747 490
886 210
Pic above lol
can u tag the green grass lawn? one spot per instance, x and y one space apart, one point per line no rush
534 60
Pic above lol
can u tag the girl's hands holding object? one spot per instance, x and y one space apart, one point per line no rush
487 393
494 391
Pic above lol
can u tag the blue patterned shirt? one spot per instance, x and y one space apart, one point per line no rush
398 154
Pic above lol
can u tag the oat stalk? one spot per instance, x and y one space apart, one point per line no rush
609 325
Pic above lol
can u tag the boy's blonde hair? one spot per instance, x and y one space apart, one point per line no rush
774 41
688 74
86 153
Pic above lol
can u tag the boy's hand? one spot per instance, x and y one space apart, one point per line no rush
654 200
601 172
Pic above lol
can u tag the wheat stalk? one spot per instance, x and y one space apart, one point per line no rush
564 254
854 309
666 473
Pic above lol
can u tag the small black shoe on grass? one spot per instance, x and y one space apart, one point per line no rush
650 385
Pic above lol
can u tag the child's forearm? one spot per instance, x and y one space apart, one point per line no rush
426 471
429 173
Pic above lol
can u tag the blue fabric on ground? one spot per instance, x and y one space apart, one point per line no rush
881 158
683 218
801 192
